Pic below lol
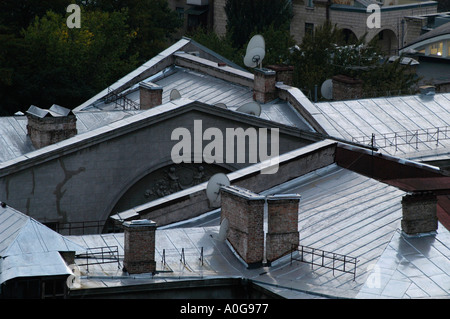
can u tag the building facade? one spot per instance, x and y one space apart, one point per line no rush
349 15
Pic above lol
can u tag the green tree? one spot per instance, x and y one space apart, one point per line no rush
246 17
153 21
67 66
219 44
325 54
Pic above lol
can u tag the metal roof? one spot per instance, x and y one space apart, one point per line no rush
340 211
14 141
406 126
28 248
208 89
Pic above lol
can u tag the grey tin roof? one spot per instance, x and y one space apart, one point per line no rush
28 248
208 89
404 126
340 211
14 141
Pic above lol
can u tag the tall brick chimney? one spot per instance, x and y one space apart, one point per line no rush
50 126
139 246
150 95
244 211
419 213
264 89
282 225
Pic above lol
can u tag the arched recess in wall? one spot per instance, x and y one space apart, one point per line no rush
387 41
349 36
161 182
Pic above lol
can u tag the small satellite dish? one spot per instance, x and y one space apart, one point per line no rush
223 230
222 105
252 108
327 89
213 188
174 95
256 51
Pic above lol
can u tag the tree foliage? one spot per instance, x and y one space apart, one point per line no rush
42 61
325 54
246 17
65 66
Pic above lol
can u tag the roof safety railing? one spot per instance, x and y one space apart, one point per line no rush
325 259
183 253
413 138
100 255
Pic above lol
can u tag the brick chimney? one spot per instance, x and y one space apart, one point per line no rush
346 88
264 89
282 229
139 246
244 211
150 95
419 213
285 73
46 127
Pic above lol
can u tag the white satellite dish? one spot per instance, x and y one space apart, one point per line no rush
174 95
213 188
327 89
252 108
222 105
256 51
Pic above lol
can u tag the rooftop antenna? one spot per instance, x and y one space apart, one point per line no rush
252 108
327 89
174 95
213 188
256 51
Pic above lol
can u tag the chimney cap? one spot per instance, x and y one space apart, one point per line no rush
54 111
140 223
150 86
283 196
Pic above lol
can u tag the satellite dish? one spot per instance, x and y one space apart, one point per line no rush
222 105
174 95
256 51
252 108
223 230
213 188
327 89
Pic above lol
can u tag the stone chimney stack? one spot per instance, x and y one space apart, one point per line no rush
46 127
139 246
244 211
264 89
150 95
419 213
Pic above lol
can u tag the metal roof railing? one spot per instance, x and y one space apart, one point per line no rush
325 259
100 255
414 138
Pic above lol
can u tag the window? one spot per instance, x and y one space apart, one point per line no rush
180 12
309 28
436 48
310 3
